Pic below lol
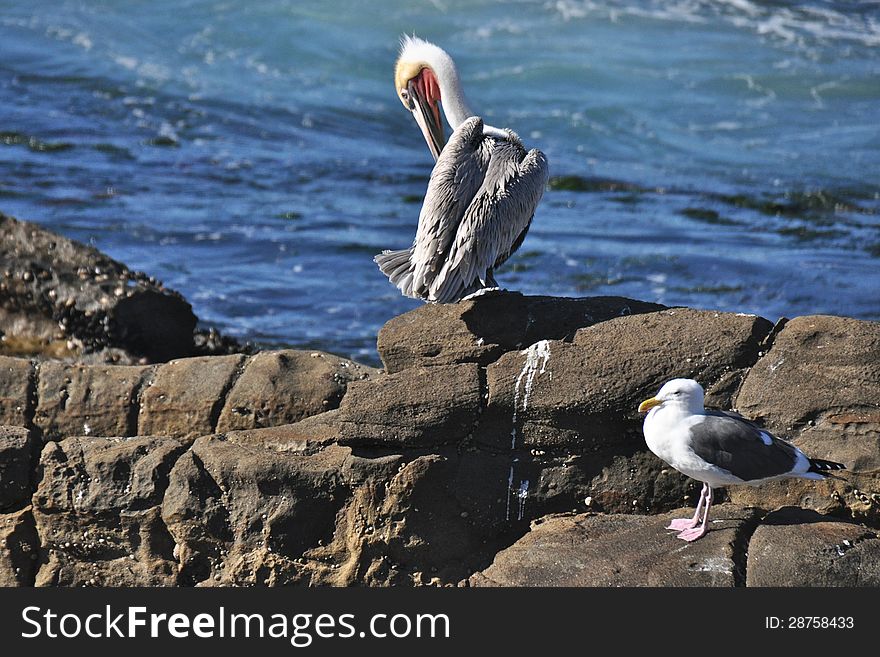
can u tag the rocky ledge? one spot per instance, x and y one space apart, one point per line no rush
62 299
500 445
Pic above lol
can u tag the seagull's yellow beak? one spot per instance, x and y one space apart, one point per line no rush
648 404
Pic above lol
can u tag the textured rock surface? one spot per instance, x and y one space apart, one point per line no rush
186 396
281 387
628 480
585 393
820 367
622 550
819 385
18 548
16 390
88 399
259 507
253 476
308 434
56 289
418 407
796 547
481 329
16 449
241 511
97 512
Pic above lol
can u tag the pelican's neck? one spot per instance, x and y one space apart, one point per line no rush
452 98
455 105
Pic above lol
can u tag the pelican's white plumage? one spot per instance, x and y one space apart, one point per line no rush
482 193
718 448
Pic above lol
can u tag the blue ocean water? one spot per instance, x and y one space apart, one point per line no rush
254 156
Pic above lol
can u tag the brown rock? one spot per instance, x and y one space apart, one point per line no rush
16 390
819 386
481 329
97 512
820 367
622 550
417 407
796 547
308 435
822 496
281 387
416 478
51 284
254 508
97 400
186 396
16 447
243 511
102 556
438 517
614 481
585 394
18 548
520 486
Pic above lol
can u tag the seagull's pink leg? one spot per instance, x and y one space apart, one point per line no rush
698 532
687 523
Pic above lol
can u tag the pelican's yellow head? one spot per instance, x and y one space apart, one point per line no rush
418 87
404 72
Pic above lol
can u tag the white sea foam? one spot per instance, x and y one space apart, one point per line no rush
792 23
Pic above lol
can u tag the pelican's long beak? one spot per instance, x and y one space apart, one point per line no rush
426 111
648 404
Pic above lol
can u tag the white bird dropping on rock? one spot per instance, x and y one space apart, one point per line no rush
538 353
718 448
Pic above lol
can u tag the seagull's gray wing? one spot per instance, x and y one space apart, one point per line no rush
741 447
496 219
456 178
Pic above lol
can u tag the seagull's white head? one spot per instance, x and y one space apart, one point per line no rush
683 394
425 76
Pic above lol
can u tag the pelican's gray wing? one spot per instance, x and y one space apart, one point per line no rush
497 218
456 177
480 200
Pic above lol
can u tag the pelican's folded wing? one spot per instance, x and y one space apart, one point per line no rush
497 219
456 177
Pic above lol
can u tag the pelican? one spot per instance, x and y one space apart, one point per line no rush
482 193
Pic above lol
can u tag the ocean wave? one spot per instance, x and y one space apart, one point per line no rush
801 23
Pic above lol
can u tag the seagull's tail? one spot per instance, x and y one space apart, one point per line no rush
397 267
824 468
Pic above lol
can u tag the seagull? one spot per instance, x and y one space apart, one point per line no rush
718 448
482 193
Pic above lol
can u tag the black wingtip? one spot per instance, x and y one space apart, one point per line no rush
820 466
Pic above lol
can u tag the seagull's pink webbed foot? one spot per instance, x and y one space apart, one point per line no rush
689 523
692 534
682 523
